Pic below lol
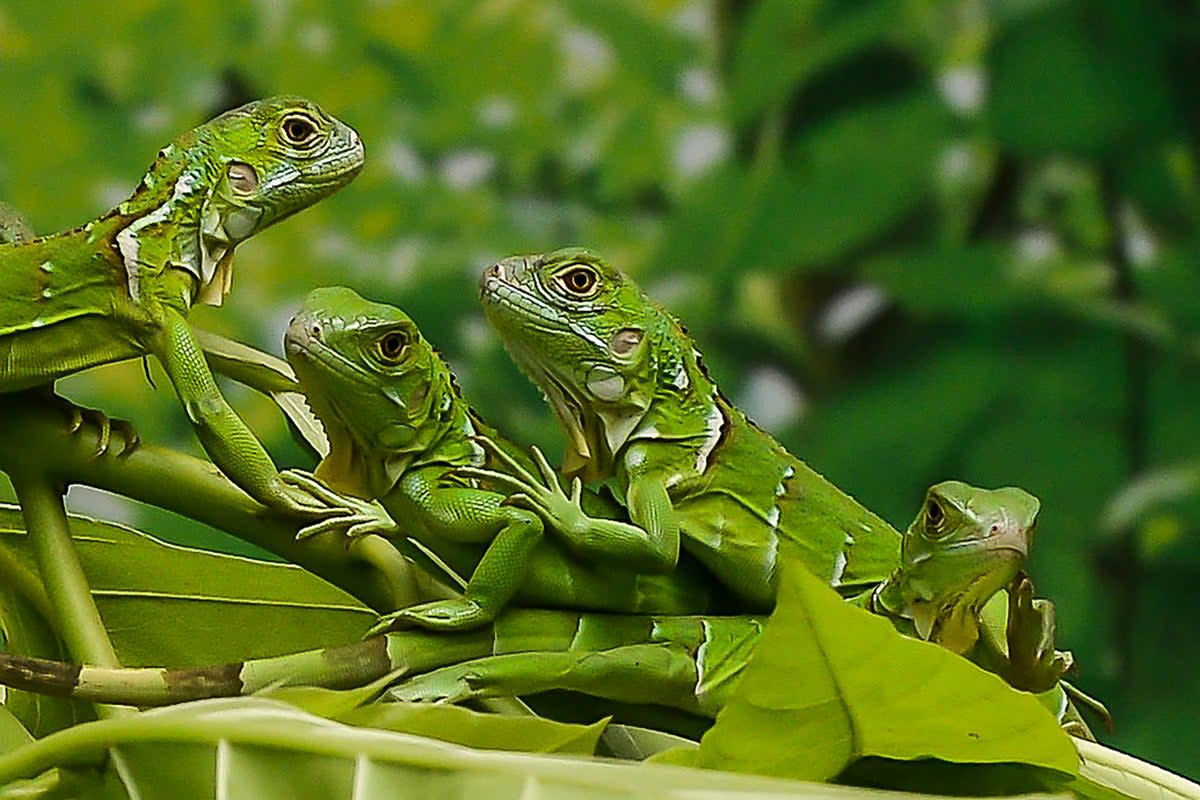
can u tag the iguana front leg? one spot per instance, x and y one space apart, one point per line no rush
468 516
224 436
1033 663
16 229
649 542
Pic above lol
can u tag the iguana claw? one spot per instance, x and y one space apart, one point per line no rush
541 493
1034 664
454 614
77 416
358 517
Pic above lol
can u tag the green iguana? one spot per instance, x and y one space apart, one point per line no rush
963 547
693 473
122 285
399 431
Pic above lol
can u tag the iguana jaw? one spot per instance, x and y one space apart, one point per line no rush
377 422
227 180
596 395
964 546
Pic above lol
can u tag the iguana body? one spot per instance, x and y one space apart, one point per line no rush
122 285
686 662
399 432
693 473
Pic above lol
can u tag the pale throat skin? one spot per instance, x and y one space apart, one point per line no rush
400 432
627 384
964 546
122 285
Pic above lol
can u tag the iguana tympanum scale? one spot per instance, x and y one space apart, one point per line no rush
122 285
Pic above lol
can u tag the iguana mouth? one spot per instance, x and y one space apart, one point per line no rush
340 165
303 339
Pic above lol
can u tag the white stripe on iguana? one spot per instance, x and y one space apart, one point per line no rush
780 491
127 241
701 651
680 379
714 424
839 564
839 568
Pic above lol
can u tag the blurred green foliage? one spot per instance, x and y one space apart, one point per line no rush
915 238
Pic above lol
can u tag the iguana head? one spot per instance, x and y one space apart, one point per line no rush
235 175
964 546
378 387
593 342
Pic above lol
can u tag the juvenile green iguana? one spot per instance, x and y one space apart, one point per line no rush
399 431
963 546
693 473
122 285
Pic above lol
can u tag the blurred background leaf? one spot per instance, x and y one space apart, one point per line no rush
917 239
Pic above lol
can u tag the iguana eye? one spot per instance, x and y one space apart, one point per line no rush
392 347
579 280
299 130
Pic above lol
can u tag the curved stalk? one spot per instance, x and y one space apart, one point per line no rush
76 617
195 488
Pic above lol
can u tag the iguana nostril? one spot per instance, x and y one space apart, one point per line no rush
314 330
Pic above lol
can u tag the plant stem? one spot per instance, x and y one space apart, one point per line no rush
195 488
73 610
76 617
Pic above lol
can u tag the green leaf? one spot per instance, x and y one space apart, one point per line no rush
783 43
12 732
1081 78
817 685
248 747
638 744
24 629
170 605
965 282
922 412
846 183
463 726
1147 493
654 52
1125 776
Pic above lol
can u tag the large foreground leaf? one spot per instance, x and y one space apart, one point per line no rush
830 684
258 748
169 605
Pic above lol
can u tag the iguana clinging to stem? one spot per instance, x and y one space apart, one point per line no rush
122 285
399 431
965 544
693 473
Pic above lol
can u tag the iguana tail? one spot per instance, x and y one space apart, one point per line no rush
713 644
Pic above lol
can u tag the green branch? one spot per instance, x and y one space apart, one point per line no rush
195 488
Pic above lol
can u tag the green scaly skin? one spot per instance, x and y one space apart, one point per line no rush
399 432
693 473
964 546
956 561
122 285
